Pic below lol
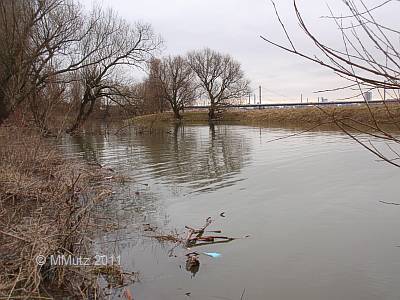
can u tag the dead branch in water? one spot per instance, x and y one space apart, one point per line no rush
192 237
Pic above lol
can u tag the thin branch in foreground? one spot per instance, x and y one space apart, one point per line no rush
390 203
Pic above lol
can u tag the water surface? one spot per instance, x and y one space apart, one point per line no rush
309 204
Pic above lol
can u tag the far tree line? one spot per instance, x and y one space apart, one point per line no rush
60 62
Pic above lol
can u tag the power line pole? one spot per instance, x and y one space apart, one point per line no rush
259 92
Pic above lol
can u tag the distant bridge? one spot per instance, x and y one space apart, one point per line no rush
294 105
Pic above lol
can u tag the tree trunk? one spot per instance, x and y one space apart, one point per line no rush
211 112
4 111
88 98
177 114
5 105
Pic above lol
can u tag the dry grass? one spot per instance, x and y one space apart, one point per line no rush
314 115
288 116
46 205
168 117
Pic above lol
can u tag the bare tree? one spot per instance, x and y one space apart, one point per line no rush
49 44
36 35
44 103
220 76
109 50
154 100
17 19
369 59
177 83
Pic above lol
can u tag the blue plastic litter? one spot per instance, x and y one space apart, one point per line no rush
212 254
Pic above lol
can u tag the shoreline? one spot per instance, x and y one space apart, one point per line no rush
47 209
299 117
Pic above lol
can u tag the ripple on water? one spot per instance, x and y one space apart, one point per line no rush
309 202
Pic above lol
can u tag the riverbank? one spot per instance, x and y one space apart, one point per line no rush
302 116
46 208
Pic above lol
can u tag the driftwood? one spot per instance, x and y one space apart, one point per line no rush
197 235
198 232
193 238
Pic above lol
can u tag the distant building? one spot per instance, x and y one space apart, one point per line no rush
367 96
323 100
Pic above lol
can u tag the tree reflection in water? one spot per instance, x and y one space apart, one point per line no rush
190 158
200 157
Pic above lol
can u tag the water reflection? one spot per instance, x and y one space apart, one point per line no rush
178 161
201 157
309 203
198 156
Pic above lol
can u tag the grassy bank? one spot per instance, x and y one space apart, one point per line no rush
302 116
46 208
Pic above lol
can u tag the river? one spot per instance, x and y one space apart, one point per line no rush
306 211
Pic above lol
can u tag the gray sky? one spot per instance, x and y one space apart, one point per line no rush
233 26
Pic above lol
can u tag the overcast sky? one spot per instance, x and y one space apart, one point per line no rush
234 27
